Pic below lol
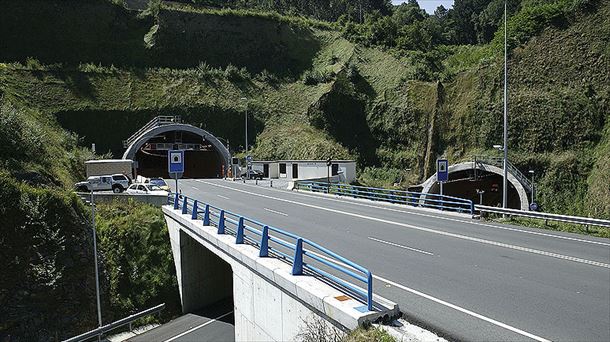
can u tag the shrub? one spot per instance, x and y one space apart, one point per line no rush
313 77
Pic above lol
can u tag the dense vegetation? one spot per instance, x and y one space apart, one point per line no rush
392 87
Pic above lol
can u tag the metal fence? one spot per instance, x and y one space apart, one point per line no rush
115 325
305 256
587 221
435 201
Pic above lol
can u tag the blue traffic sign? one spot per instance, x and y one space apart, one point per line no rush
175 161
442 170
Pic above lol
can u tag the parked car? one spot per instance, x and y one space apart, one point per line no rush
117 183
140 188
160 182
254 174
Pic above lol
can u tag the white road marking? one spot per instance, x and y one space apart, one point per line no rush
221 196
199 326
458 220
466 311
354 202
429 230
275 212
445 303
194 187
400 246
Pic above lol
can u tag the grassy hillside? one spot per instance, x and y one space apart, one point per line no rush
314 94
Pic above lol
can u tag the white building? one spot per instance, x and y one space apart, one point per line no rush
343 171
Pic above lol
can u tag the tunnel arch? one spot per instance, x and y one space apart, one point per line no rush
134 147
465 166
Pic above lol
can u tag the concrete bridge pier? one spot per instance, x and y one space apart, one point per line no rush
203 277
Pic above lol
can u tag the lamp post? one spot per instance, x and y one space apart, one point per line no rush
247 168
480 192
505 148
97 278
531 172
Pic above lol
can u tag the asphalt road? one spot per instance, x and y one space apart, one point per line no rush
462 278
214 323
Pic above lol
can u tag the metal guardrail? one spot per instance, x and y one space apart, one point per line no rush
435 201
544 216
155 122
499 162
117 324
304 255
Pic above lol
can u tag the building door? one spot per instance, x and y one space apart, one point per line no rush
335 169
266 170
295 171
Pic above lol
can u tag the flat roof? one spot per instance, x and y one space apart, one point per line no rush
304 161
95 161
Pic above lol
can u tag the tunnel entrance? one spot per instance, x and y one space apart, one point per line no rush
465 183
201 158
204 155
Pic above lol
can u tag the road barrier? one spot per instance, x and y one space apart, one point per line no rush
305 256
587 221
117 324
417 199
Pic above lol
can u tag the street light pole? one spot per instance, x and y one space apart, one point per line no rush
504 182
97 278
247 169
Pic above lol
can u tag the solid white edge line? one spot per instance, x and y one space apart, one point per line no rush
275 212
199 326
466 311
429 230
400 246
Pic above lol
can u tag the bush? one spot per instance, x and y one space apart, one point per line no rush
47 285
313 77
135 243
233 73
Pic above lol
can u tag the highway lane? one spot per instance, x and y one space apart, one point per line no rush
213 323
516 282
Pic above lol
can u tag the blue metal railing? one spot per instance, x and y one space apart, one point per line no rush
304 255
435 201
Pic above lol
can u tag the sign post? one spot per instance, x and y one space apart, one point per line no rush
442 172
175 165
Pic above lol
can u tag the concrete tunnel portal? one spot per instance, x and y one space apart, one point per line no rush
466 178
205 156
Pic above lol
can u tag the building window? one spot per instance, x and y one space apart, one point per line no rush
335 169
282 168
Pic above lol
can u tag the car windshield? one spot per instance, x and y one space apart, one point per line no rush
154 188
159 182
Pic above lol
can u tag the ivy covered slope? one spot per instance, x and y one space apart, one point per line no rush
317 89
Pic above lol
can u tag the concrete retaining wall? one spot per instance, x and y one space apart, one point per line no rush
98 197
270 303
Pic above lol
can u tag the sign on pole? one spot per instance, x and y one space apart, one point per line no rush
175 163
442 170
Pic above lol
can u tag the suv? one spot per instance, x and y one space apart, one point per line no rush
117 183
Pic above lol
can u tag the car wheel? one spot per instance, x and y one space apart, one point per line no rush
117 189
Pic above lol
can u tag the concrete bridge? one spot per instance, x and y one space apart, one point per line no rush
275 293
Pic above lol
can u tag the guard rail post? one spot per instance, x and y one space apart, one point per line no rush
369 291
264 252
206 215
176 202
221 222
472 208
239 236
194 215
297 263
184 206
